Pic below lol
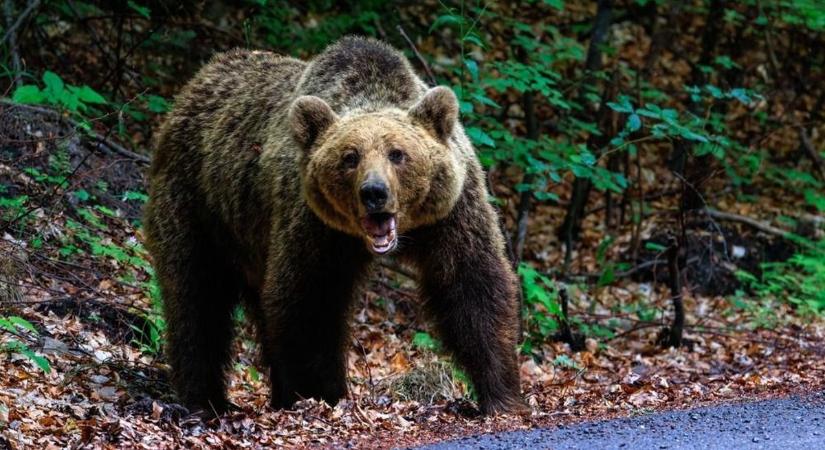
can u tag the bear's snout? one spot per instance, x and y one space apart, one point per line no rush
374 194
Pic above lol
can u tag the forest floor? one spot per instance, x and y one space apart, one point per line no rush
74 268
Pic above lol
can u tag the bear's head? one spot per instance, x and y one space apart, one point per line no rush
379 174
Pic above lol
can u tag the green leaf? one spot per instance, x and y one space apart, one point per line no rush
623 105
445 20
472 67
544 196
741 95
558 4
132 195
484 100
479 137
653 246
157 104
81 194
5 323
253 373
140 9
725 62
423 340
40 362
634 122
70 101
23 349
28 94
815 199
89 95
608 276
54 85
474 39
23 323
565 361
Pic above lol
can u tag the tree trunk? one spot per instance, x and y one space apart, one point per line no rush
569 230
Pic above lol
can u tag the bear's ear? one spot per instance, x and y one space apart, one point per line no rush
309 116
437 111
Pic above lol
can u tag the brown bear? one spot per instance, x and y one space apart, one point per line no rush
276 182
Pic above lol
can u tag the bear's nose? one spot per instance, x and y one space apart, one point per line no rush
374 194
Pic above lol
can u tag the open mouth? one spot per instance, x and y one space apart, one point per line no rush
381 232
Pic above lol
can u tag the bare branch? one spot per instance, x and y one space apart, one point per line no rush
761 226
108 144
11 34
816 158
12 29
430 76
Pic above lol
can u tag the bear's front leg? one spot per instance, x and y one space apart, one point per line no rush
472 292
311 281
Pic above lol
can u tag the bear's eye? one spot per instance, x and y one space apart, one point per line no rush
396 156
350 160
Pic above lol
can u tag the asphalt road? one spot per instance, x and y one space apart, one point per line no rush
787 424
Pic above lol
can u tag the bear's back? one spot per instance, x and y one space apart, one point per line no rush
236 94
361 73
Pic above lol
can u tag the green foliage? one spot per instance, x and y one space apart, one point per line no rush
464 382
150 337
423 340
541 306
274 23
565 361
799 281
546 159
55 92
809 13
140 9
12 207
20 329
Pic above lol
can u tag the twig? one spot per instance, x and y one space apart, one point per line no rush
635 328
11 36
380 28
770 46
110 145
11 31
761 226
119 149
626 273
705 330
816 158
430 76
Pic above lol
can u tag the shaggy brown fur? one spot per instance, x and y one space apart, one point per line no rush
271 175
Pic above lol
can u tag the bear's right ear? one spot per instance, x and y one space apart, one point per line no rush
309 116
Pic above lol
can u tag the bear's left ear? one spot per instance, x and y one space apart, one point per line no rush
437 111
309 116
